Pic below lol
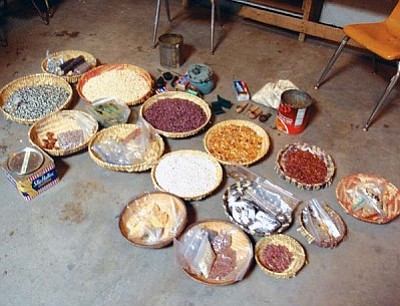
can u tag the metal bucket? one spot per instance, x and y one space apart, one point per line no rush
170 50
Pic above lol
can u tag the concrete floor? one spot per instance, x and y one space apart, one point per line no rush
65 248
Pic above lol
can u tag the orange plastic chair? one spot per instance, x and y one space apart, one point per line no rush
381 38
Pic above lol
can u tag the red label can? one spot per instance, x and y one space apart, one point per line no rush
293 110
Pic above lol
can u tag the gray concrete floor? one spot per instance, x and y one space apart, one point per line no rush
65 248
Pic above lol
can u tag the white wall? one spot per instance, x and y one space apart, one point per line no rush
342 12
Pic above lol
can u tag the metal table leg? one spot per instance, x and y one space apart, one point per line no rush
47 14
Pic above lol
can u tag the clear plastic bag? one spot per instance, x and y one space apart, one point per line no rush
368 197
133 149
109 111
53 63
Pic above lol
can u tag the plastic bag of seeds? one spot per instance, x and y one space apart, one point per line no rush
109 111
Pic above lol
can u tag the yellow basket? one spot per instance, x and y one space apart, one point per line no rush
33 80
66 55
63 121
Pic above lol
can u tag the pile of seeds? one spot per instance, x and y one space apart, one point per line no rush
33 102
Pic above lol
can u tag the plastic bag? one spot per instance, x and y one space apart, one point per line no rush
368 197
270 94
109 111
133 149
53 63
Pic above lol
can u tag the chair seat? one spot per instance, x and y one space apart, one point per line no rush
376 38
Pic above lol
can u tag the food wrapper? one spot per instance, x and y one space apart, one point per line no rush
133 149
109 111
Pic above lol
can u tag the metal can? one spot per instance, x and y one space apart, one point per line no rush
293 111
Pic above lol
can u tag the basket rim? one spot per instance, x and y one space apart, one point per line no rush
55 152
109 67
229 225
392 204
41 76
170 238
90 58
328 161
194 197
182 95
293 245
241 122
124 168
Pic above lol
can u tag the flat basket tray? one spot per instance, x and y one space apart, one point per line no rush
163 200
62 122
390 198
33 80
299 255
195 154
109 67
265 143
178 95
119 132
317 151
241 244
67 55
324 243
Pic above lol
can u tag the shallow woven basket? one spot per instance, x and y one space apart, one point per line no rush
119 132
390 197
324 243
66 55
63 121
179 95
256 128
241 244
299 255
163 199
109 67
33 80
193 197
330 166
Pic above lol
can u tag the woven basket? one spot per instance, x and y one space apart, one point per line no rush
241 244
390 197
326 243
33 80
119 132
63 121
199 154
66 55
314 150
179 95
299 255
256 128
164 202
109 67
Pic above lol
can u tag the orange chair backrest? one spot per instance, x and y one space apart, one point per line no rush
393 21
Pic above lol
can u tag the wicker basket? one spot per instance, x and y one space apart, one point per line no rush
179 95
164 201
33 80
60 122
66 55
299 255
390 198
109 67
119 132
199 154
241 244
241 123
325 243
330 166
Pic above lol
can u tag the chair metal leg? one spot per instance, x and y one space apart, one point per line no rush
44 15
212 25
157 17
167 9
383 98
332 61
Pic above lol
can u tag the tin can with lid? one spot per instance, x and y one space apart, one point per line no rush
31 171
293 111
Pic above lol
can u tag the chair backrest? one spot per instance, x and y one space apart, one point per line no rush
393 21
